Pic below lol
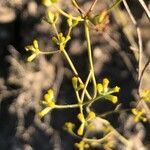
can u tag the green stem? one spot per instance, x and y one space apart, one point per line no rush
55 30
49 53
67 106
74 70
70 62
87 35
81 104
117 2
85 86
67 15
114 111
98 140
69 31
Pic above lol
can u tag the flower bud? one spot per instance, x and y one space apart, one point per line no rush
81 129
113 99
75 82
99 88
81 117
105 85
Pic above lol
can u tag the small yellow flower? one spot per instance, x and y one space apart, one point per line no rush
69 126
112 98
75 82
34 48
81 117
105 84
139 114
71 22
145 95
44 112
81 86
49 96
51 17
103 88
91 115
99 88
107 92
82 145
116 89
81 129
49 102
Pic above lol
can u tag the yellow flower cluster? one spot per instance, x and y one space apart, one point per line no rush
145 95
49 102
139 114
76 85
34 48
104 90
61 40
82 145
69 126
51 17
83 120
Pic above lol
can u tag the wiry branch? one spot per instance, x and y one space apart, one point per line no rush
139 42
91 8
144 69
145 8
140 70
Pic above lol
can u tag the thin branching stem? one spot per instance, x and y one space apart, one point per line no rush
75 4
117 2
74 70
70 61
144 69
85 86
139 43
50 52
66 14
55 30
90 9
145 8
87 35
140 71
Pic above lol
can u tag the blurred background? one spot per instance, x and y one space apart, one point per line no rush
23 84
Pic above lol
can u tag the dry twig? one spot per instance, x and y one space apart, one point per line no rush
145 8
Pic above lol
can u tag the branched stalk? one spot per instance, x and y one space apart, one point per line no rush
99 140
50 52
117 2
55 29
140 47
85 86
87 35
70 63
145 8
74 70
141 70
91 8
66 14
101 90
